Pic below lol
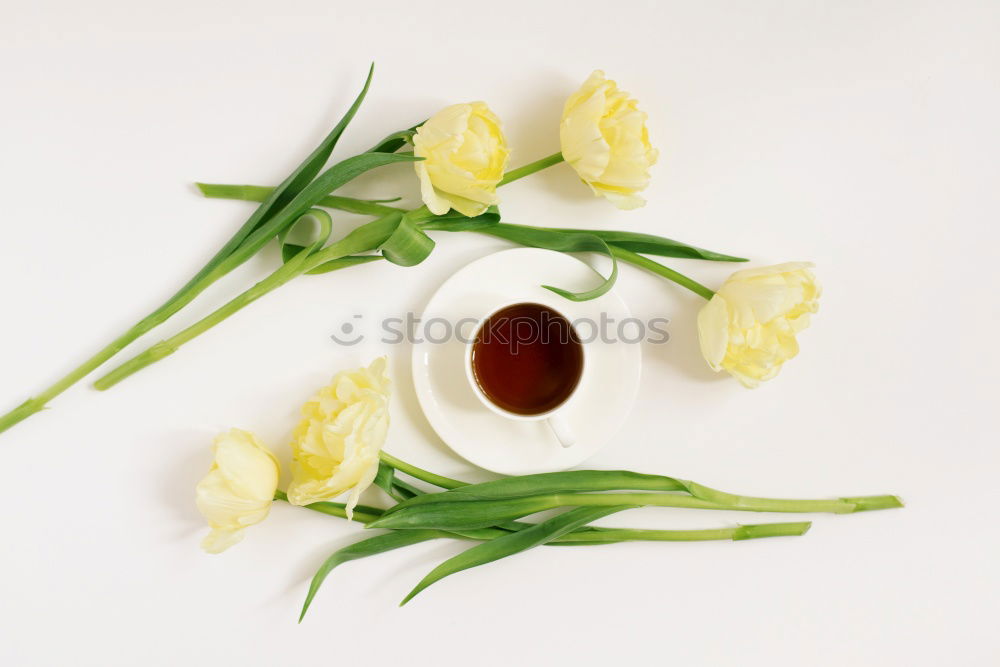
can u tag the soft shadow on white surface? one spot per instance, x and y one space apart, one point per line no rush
303 565
532 127
419 559
682 353
402 374
389 582
185 467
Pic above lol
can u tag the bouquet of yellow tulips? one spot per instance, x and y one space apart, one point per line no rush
337 450
460 155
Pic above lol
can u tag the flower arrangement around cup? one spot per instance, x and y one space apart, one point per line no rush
748 328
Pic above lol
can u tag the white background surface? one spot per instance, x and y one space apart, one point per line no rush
860 135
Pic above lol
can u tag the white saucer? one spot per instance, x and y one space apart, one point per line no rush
596 412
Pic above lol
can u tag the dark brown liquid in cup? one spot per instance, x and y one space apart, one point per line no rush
527 358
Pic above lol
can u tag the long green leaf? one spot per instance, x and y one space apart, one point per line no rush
325 226
260 193
535 237
307 171
475 514
343 263
551 482
513 543
580 536
369 547
561 242
650 244
463 514
453 221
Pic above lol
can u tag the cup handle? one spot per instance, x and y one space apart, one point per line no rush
560 428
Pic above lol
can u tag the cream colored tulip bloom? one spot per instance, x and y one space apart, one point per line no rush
465 155
603 136
238 490
335 447
748 328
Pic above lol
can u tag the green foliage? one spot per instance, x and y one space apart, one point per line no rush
513 543
369 547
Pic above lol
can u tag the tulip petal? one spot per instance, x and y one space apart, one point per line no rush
238 489
713 331
465 155
604 138
336 446
749 327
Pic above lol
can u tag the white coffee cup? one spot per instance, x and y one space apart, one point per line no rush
555 417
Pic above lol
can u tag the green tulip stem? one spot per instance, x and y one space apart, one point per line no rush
362 513
661 270
248 240
420 473
170 345
38 403
531 168
260 193
482 513
741 503
735 533
361 240
584 536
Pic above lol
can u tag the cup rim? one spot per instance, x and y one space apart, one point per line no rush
474 383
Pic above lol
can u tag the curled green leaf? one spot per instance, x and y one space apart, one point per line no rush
331 179
560 241
408 245
320 235
385 479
